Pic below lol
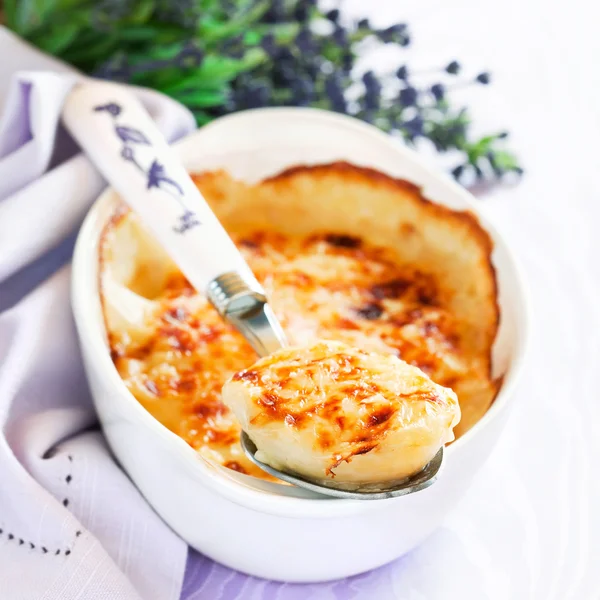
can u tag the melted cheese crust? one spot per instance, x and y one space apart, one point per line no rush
322 286
315 409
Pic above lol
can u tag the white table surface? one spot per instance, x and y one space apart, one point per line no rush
529 528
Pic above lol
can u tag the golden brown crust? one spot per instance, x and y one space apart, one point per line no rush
349 379
459 219
104 257
314 407
388 211
398 297
358 174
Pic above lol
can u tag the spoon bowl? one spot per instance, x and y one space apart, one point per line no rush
415 483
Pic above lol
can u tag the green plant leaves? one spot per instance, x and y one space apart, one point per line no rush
24 16
214 57
56 42
210 30
506 160
86 54
203 98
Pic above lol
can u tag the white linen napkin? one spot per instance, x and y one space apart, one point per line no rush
72 525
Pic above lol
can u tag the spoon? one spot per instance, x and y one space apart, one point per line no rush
121 139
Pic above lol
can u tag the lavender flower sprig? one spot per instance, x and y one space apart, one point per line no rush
220 56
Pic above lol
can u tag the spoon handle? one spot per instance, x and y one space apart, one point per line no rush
117 133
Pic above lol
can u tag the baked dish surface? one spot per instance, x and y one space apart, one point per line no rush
345 254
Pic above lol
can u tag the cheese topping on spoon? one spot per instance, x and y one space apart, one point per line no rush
342 416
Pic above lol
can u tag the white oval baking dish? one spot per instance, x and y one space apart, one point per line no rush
265 529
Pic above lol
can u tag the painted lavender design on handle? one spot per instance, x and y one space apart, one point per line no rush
155 173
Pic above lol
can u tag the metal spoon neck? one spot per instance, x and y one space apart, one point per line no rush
241 300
